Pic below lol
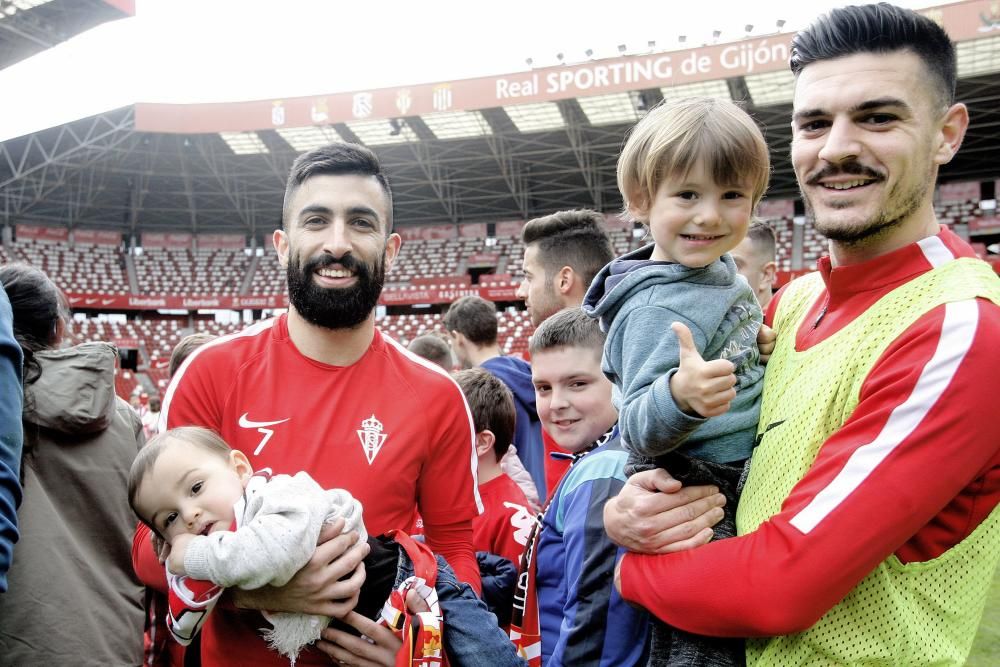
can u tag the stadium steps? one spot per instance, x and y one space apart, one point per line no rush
147 384
248 277
133 281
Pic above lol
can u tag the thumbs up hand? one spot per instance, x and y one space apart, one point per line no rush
700 387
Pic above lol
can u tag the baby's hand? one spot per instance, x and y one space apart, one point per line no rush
160 546
175 561
700 387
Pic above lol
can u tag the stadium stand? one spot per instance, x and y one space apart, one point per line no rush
164 271
958 213
82 268
268 278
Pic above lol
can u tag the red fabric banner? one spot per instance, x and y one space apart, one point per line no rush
171 240
97 237
958 192
40 233
771 209
221 241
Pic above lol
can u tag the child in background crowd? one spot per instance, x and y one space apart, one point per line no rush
692 171
503 528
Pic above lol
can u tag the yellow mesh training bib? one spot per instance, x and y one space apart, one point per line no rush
913 614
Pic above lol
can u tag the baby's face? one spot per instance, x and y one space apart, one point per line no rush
191 490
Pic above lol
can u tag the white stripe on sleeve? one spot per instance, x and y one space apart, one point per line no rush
957 332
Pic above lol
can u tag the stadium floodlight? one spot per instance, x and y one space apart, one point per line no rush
780 23
560 56
457 124
748 28
621 48
716 34
589 53
682 38
529 61
536 117
771 87
307 138
380 132
651 43
609 109
244 143
717 89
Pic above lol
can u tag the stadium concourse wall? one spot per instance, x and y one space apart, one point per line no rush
390 297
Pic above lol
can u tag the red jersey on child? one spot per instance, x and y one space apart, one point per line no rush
506 521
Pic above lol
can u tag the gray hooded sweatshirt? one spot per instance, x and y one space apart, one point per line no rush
637 300
74 598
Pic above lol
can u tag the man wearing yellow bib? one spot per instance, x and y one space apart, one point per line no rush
868 528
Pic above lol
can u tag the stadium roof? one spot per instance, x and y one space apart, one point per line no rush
28 27
464 151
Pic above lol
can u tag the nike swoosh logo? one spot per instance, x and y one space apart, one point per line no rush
760 438
246 423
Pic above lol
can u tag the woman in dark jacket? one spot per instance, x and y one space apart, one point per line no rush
73 598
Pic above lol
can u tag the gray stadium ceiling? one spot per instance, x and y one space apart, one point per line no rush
26 30
102 173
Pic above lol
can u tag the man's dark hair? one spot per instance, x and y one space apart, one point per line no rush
491 405
432 348
761 234
570 238
570 327
185 347
880 28
340 159
38 306
475 318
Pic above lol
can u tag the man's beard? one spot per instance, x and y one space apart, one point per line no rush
903 204
332 307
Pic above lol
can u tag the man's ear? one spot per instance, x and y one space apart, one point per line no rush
770 271
280 242
484 442
241 464
953 127
564 280
392 244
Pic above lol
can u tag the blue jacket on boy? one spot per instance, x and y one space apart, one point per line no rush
583 619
